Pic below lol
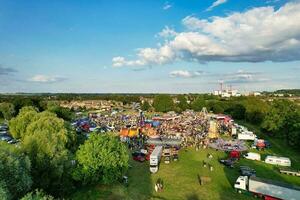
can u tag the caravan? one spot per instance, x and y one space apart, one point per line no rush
282 161
252 156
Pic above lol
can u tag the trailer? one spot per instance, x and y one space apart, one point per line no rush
247 135
155 159
282 161
290 172
252 156
267 189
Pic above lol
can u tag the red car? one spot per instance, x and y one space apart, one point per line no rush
138 156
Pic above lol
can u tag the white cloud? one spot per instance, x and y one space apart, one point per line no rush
257 35
167 6
185 73
215 4
242 76
46 79
167 32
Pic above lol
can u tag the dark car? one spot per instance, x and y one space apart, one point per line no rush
247 171
175 157
167 159
138 156
267 144
5 138
228 162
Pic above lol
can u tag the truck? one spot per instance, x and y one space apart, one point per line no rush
247 135
252 156
267 189
155 158
275 160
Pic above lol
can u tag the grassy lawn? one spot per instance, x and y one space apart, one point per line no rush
180 181
180 178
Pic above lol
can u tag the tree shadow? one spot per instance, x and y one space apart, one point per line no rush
192 197
262 171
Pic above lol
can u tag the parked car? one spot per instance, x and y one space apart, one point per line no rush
247 171
228 162
138 156
268 144
167 159
175 157
5 138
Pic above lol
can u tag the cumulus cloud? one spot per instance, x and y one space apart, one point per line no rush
167 6
6 70
185 73
257 35
215 4
167 33
46 79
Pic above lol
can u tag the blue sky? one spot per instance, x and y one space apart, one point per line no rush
146 46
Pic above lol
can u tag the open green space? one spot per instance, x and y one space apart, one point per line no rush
180 178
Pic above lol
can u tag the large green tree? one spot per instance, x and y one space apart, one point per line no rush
102 158
19 124
45 141
7 110
283 120
14 172
163 103
37 195
198 104
145 106
61 112
182 105
256 109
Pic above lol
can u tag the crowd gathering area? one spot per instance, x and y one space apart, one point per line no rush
193 155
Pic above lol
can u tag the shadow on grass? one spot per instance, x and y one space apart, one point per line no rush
140 183
262 171
192 197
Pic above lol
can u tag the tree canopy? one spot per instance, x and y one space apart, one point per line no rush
102 158
198 104
283 120
182 105
163 103
37 195
7 110
45 139
19 124
15 167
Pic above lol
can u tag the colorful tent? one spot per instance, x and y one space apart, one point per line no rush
133 132
124 132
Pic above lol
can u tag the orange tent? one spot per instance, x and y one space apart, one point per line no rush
124 132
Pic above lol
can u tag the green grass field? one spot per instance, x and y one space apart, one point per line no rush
180 178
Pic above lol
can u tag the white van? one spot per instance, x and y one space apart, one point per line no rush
282 161
252 156
155 159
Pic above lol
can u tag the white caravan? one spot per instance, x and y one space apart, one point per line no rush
252 156
282 161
